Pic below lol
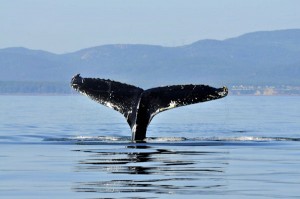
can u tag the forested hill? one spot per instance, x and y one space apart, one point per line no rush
258 58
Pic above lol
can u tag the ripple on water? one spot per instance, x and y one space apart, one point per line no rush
148 169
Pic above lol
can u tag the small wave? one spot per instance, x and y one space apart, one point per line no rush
166 139
115 139
244 139
92 139
171 139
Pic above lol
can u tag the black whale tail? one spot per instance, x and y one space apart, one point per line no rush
139 106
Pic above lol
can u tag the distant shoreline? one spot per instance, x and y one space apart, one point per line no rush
233 91
63 88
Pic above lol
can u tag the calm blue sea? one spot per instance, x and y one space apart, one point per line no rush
71 147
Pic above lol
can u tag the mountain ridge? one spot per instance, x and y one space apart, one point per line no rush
257 58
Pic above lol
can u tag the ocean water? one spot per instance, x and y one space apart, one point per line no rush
71 147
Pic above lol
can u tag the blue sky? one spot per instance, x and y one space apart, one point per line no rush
61 26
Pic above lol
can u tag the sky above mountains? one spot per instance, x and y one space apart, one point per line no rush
61 26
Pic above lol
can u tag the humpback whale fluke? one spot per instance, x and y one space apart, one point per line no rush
139 106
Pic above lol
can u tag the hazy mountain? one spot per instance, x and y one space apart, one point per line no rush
259 58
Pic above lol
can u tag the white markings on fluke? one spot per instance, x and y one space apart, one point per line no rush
140 106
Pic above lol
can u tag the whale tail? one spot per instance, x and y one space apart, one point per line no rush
139 106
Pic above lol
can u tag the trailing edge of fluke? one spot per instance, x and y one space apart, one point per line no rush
139 106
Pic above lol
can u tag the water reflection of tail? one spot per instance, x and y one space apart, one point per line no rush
155 170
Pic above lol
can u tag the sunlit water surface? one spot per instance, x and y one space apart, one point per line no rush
71 147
